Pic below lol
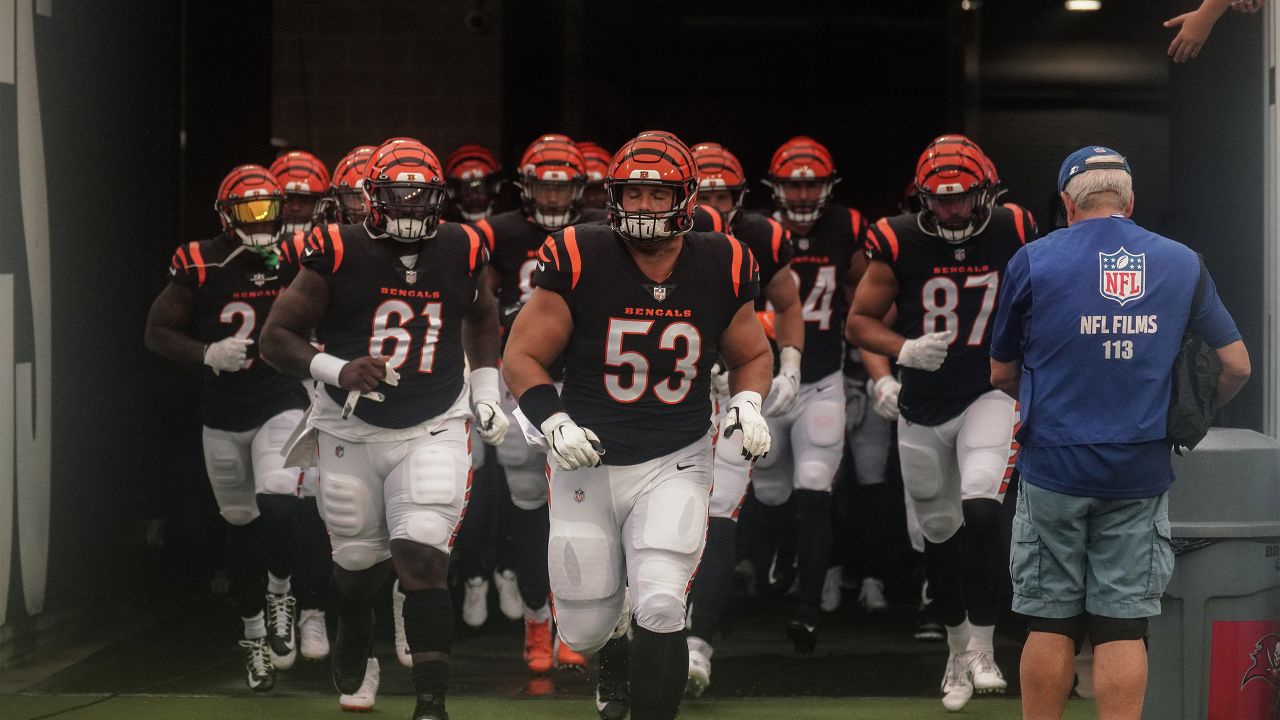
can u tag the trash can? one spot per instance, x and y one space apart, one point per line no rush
1215 649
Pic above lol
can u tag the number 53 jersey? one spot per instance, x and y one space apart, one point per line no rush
637 366
381 307
948 287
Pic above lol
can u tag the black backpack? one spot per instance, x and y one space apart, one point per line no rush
1193 400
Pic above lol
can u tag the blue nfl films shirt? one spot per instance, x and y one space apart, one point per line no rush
1096 313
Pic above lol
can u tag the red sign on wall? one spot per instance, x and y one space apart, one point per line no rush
1244 670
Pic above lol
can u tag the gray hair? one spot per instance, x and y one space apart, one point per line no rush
1092 189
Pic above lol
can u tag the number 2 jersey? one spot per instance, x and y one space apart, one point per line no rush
380 307
637 366
233 289
946 287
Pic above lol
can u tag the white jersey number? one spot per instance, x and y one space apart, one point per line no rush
248 321
388 327
942 297
817 304
676 387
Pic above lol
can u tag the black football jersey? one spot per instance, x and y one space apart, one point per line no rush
413 316
637 367
513 242
948 287
766 238
822 259
234 288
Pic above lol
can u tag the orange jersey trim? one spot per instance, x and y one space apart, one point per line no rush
1018 223
484 227
575 258
776 240
737 265
717 222
198 261
475 245
889 236
335 238
855 221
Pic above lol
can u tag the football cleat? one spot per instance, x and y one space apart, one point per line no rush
509 601
537 645
313 637
363 699
831 589
803 635
871 595
699 667
475 602
984 672
430 707
566 658
352 649
259 674
282 637
613 699
403 655
957 688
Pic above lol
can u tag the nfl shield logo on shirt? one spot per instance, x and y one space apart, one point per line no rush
659 293
1122 275
411 276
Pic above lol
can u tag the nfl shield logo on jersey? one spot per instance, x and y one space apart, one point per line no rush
803 244
1122 275
659 293
579 495
258 279
960 253
411 276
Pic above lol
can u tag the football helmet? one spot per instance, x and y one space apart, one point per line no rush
552 177
652 158
474 178
249 204
954 190
404 190
348 181
802 174
305 182
722 184
597 161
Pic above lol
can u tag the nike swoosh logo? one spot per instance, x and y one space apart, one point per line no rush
437 432
542 266
821 388
684 467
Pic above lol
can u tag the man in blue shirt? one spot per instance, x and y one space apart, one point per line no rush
1090 320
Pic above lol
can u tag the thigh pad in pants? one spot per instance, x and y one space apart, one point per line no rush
227 460
350 501
270 475
771 476
584 547
931 477
426 492
817 440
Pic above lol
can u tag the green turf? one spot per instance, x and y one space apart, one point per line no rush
30 707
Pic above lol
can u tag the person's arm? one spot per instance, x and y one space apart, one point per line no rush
857 268
1006 376
788 316
746 353
866 327
539 336
1235 370
1195 27
169 314
480 337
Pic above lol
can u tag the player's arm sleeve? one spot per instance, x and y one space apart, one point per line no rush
744 270
707 219
559 267
882 242
324 251
1211 320
186 267
477 250
1015 302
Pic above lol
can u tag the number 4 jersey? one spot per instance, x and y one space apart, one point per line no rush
637 367
412 315
945 287
233 289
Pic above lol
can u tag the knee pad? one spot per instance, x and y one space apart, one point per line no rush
772 487
515 453
815 475
660 613
1074 627
285 481
1108 629
586 627
981 513
354 555
938 520
823 424
528 486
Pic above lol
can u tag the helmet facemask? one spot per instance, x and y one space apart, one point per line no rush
473 194
956 216
802 199
302 210
256 220
644 227
711 193
407 211
553 201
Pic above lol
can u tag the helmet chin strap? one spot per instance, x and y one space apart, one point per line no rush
257 241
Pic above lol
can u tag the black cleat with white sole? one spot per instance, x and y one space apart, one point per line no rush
259 674
430 707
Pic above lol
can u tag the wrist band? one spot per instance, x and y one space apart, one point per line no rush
326 368
484 385
540 402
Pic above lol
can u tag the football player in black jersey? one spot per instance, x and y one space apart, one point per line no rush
721 187
226 286
940 268
639 309
597 161
305 182
551 169
809 439
395 302
474 179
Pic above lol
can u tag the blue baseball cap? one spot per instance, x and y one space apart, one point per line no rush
1076 163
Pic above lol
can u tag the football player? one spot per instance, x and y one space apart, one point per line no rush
395 303
940 268
474 179
225 286
347 189
722 184
628 438
809 437
597 161
305 181
551 172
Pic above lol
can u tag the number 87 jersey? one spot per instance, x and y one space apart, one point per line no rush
948 287
637 365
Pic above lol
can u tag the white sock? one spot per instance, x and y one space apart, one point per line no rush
255 627
958 637
542 614
982 638
277 586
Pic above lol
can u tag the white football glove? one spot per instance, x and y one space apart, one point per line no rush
885 391
227 355
720 380
572 446
744 414
786 384
927 352
491 423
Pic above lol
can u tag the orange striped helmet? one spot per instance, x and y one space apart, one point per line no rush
348 179
653 158
597 162
404 189
952 182
249 203
720 172
305 182
474 178
802 174
552 176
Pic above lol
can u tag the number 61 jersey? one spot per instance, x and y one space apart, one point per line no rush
637 366
412 316
948 287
